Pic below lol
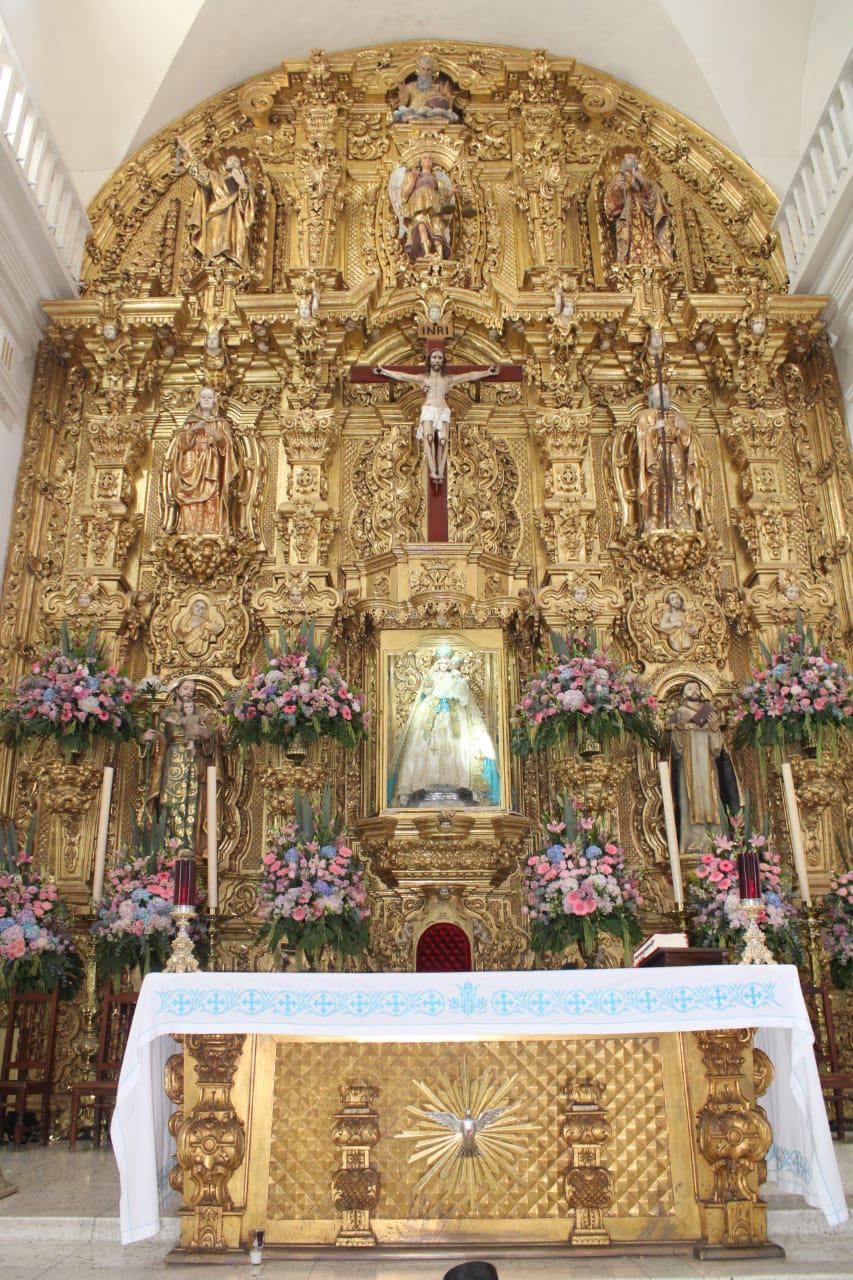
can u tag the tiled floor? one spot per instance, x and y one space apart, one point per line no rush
62 1224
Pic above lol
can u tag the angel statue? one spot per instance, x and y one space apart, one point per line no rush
434 425
445 754
426 204
223 208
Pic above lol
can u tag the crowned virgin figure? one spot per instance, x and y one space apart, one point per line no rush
445 754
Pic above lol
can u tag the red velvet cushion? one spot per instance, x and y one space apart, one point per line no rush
443 948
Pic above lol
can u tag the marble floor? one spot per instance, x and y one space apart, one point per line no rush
63 1224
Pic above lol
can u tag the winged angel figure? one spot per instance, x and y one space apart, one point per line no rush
469 1134
426 203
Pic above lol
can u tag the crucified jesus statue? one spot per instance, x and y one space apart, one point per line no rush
434 425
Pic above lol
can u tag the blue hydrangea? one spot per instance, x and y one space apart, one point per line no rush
328 850
593 851
323 888
555 853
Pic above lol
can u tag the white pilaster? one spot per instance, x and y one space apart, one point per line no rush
43 229
815 222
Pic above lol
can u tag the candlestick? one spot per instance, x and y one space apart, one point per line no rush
212 852
671 833
182 959
103 832
796 833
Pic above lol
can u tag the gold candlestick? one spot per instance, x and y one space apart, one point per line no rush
213 941
182 959
89 1009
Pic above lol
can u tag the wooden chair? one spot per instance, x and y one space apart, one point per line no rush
28 1058
837 1084
117 1009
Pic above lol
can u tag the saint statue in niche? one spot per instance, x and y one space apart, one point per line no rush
637 207
428 95
426 203
445 754
201 471
434 425
669 486
223 209
183 746
677 623
703 779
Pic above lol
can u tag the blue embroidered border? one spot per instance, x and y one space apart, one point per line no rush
610 1002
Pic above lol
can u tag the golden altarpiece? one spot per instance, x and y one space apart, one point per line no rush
329 217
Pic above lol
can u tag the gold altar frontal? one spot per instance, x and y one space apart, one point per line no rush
623 1144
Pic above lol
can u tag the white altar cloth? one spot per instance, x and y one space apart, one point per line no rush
474 1006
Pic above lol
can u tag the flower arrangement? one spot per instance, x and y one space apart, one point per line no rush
37 952
134 925
799 695
583 690
312 892
577 886
72 694
838 932
298 694
716 914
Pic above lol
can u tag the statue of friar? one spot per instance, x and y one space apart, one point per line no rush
201 472
669 486
703 780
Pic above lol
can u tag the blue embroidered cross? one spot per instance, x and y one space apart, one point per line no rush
540 1003
610 1002
396 1003
251 1001
503 1002
646 1000
359 1004
216 1002
433 1003
181 1002
324 1003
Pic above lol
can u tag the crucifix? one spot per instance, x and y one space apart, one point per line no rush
434 427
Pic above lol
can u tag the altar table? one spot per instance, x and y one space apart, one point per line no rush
638 1089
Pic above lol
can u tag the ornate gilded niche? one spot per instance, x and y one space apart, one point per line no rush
228 304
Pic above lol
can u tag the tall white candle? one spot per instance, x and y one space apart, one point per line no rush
103 832
671 832
212 868
793 812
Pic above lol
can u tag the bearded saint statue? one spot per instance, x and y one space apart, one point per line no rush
637 207
223 209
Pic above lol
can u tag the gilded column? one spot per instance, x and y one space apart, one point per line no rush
211 1142
589 1185
355 1186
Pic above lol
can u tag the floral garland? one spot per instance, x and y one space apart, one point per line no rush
716 913
312 893
838 933
577 886
37 952
299 693
72 694
800 695
584 690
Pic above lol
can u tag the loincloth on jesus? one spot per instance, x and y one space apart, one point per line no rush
435 420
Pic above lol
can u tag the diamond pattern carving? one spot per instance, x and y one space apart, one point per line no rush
307 1080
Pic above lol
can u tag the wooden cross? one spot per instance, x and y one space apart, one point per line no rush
437 522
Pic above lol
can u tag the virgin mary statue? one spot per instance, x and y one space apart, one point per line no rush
445 754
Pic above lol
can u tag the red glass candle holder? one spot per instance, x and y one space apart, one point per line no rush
749 875
184 882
